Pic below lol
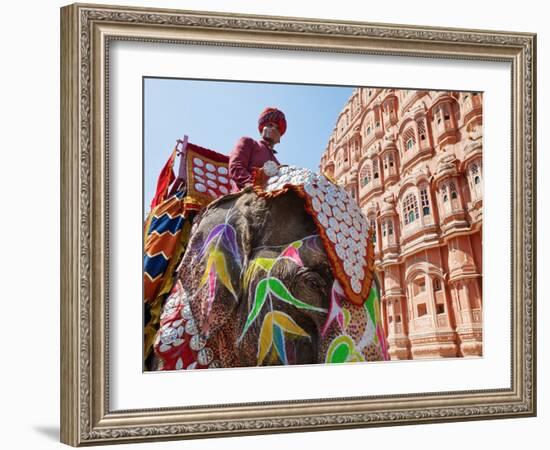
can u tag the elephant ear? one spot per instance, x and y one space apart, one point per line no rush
213 264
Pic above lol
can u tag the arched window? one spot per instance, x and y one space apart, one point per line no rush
449 192
437 284
421 130
388 161
387 230
410 209
425 201
408 139
452 189
376 174
365 174
372 224
475 173
391 238
443 113
444 194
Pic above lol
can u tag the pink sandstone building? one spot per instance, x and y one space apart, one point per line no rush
413 161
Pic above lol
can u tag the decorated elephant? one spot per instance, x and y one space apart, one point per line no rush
272 276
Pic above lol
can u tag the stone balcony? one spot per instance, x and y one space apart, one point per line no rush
442 321
446 133
421 225
470 332
453 220
341 169
373 187
470 318
390 253
422 323
396 328
417 235
415 154
472 110
391 175
410 99
475 212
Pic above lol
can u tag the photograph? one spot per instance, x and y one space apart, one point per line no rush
276 224
291 224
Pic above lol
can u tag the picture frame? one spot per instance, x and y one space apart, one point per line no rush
87 32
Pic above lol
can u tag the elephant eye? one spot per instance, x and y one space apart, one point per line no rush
312 279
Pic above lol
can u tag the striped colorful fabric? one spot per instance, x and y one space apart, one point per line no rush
207 180
168 227
162 235
167 231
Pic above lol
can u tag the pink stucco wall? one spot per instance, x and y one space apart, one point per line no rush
413 161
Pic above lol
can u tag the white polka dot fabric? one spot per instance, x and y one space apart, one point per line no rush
209 178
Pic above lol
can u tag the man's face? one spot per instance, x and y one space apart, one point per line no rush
271 133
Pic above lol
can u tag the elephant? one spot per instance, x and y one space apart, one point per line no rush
255 288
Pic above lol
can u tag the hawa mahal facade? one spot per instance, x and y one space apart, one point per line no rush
413 161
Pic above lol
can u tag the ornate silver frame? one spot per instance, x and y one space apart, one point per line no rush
86 31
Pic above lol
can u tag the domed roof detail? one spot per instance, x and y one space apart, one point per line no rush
446 166
389 143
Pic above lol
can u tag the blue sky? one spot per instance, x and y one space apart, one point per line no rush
215 114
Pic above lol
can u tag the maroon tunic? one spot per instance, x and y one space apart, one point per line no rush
246 155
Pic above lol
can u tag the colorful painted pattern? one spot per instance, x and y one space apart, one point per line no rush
349 331
277 326
358 331
278 329
221 241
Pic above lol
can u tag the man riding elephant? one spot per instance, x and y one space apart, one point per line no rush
251 291
280 271
249 153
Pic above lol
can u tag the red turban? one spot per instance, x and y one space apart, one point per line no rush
272 115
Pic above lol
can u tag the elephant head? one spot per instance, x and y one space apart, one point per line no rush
255 287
